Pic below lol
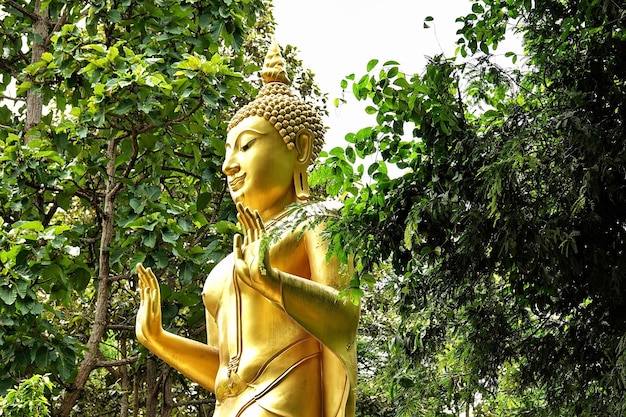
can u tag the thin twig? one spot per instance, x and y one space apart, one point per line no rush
2 96
18 7
119 362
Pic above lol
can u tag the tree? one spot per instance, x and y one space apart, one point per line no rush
111 155
505 226
28 399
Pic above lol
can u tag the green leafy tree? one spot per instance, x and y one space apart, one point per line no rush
123 166
28 399
498 198
110 155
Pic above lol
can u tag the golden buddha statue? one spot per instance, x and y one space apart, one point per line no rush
280 340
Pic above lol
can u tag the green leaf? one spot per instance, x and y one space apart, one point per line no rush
350 155
47 57
370 110
186 272
336 151
138 257
41 357
125 107
65 362
477 8
137 205
8 294
161 258
54 272
203 201
22 287
185 224
169 236
149 239
34 225
80 278
371 64
406 382
225 227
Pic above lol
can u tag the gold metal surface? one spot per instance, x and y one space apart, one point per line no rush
280 341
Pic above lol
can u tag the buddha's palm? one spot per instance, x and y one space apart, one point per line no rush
252 257
149 324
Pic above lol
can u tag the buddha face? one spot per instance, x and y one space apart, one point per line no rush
259 167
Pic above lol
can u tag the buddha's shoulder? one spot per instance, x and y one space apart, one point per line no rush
323 208
303 216
223 268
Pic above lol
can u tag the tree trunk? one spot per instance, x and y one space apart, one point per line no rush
168 401
34 100
102 300
135 395
124 380
151 388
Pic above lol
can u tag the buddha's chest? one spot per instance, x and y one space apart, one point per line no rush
248 323
251 330
222 289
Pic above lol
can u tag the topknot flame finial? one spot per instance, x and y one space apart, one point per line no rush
274 66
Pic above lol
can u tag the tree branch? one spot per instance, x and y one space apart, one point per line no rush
57 26
121 327
50 213
33 15
9 69
119 362
120 277
194 402
91 359
182 171
9 128
2 96
173 121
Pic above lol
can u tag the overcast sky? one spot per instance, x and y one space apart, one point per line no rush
338 37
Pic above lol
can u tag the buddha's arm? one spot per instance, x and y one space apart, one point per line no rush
196 360
313 303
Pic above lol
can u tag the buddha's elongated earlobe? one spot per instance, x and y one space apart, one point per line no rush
304 149
301 183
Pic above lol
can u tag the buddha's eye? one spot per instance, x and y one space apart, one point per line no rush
247 145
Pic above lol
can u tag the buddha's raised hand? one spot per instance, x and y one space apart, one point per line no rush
148 325
252 256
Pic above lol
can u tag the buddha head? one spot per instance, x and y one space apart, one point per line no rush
275 115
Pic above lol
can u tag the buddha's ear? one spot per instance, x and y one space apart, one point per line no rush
304 146
304 149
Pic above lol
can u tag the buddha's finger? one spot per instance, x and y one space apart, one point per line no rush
242 215
259 221
142 276
155 301
244 229
150 278
145 302
237 247
254 226
249 219
242 221
242 271
247 225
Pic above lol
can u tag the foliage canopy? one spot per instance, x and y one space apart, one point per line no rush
110 155
488 204
505 221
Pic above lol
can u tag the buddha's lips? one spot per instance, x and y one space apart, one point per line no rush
237 182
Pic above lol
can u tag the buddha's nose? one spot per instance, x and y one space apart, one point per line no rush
230 166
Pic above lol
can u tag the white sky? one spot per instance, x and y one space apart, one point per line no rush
336 38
